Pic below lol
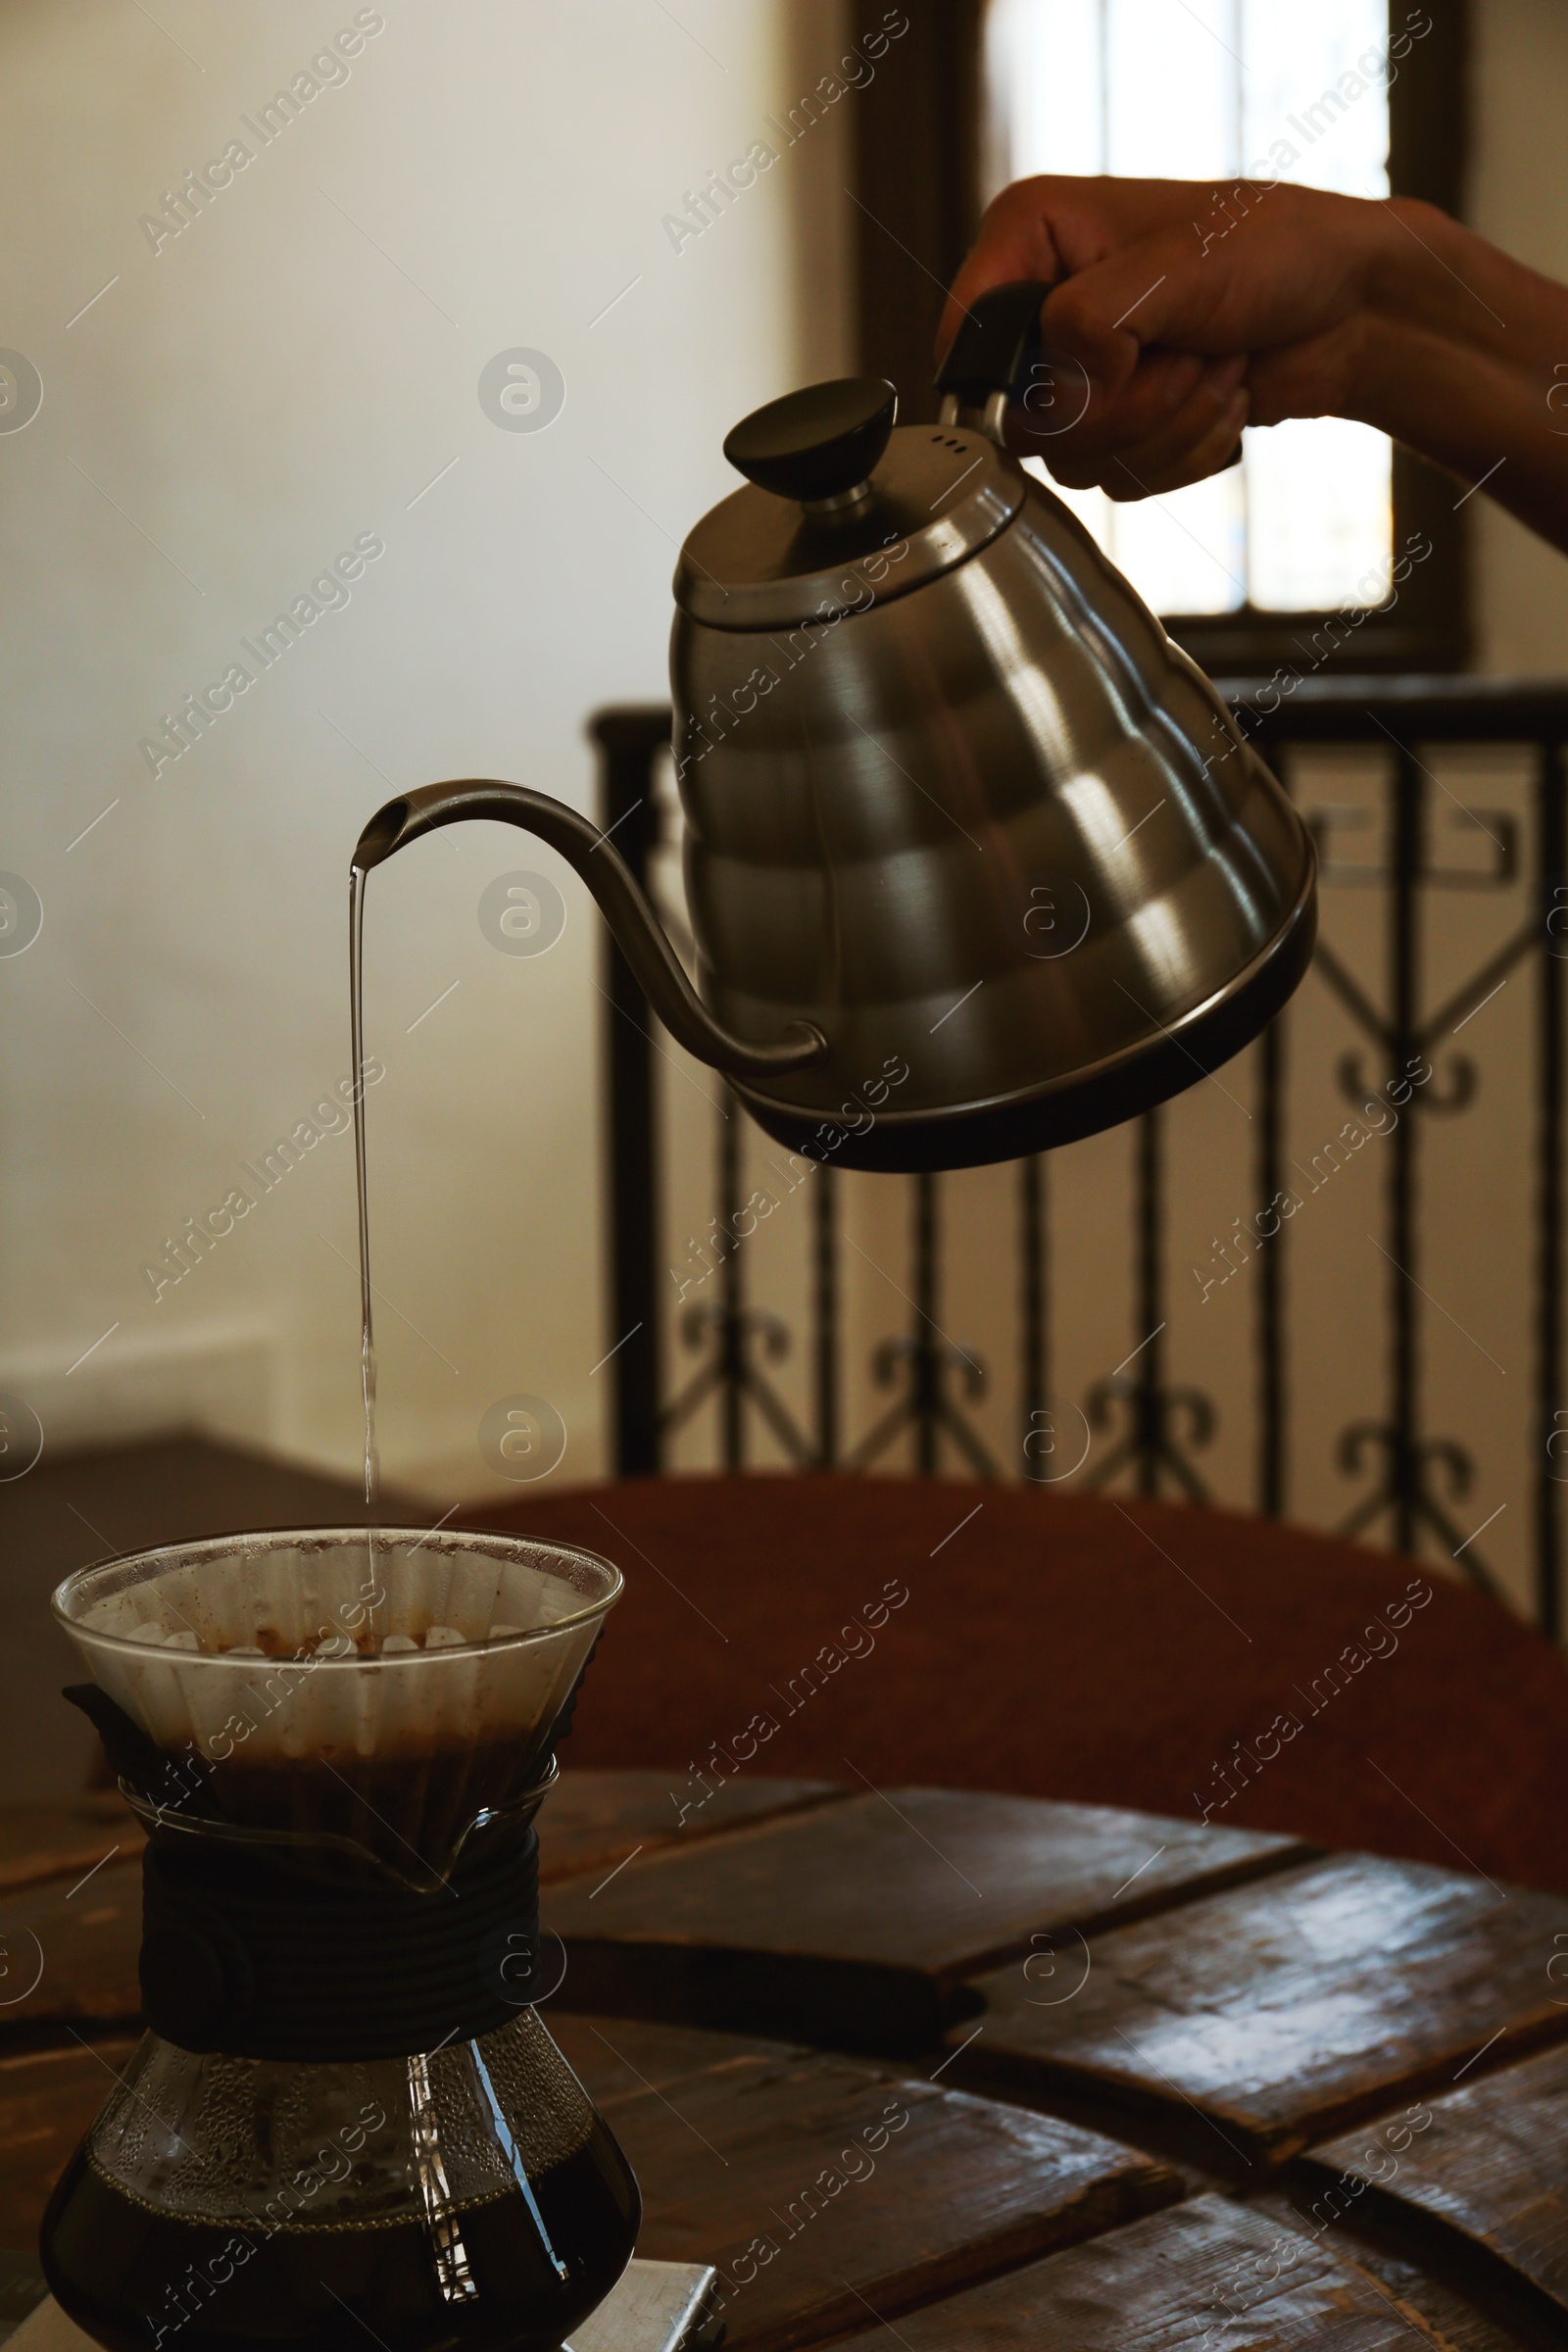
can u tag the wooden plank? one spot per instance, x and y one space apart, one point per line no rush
858 1923
1488 2166
593 1820
68 1955
47 2100
1443 2301
1282 2011
1197 2276
65 1838
617 2057
811 2180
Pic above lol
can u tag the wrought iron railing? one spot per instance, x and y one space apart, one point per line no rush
1151 1424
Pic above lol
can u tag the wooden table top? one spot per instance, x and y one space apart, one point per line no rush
978 2070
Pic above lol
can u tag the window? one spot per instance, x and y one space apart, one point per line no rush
1216 90
977 91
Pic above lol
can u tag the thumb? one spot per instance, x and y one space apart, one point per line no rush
1013 243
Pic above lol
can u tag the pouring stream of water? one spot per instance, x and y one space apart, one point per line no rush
372 1465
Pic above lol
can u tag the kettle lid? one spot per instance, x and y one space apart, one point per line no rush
841 508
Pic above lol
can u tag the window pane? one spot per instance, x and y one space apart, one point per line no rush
1314 97
1184 551
1042 77
1319 514
1173 111
1207 89
1093 508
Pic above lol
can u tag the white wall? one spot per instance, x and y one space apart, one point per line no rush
1519 198
289 372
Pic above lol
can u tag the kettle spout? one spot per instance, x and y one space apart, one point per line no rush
381 836
638 932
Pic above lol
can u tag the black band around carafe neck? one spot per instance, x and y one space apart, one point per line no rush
247 1956
293 1951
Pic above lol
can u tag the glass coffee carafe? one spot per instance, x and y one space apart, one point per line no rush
348 2121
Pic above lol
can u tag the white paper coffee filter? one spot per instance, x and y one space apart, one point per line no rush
261 1648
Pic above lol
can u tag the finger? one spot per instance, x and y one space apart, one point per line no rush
1194 394
1170 443
1312 377
1197 393
1064 407
1154 291
1015 242
1124 478
1052 226
1122 461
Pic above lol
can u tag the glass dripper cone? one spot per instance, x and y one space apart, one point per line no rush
304 1683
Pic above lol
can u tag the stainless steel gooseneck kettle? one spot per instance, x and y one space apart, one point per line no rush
976 860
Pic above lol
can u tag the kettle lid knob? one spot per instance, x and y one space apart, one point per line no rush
818 443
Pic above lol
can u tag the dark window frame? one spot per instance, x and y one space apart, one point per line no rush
915 161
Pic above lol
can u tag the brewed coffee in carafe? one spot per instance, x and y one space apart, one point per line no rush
499 2268
348 2116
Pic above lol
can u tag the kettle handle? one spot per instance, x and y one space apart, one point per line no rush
994 355
995 351
638 932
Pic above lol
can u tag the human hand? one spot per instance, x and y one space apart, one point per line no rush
1179 330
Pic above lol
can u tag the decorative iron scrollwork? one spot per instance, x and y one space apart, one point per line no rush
735 1335
1150 1443
1407 1481
760 1323
1464 1084
891 1356
926 1368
